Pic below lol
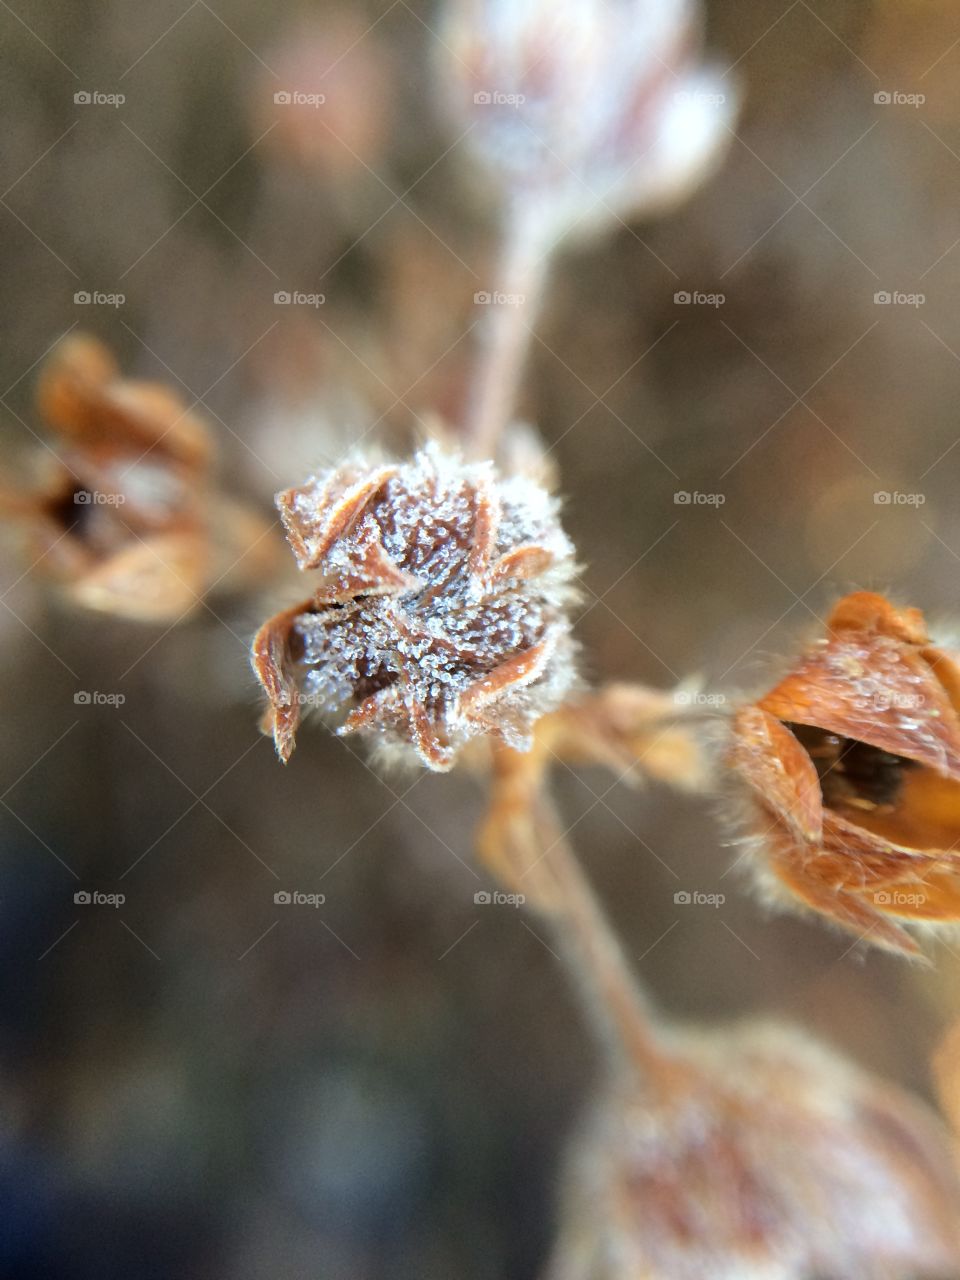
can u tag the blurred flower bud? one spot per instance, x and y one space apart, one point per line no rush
326 102
125 515
771 1159
586 110
853 761
440 613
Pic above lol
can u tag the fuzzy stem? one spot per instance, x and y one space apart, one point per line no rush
507 330
601 975
524 844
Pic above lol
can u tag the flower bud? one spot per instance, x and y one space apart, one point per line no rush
853 763
440 609
586 110
771 1159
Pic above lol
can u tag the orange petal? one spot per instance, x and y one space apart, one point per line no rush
780 771
867 611
876 690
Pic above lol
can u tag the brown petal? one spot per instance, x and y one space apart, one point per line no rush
523 668
874 689
81 395
313 528
272 660
778 769
867 611
155 580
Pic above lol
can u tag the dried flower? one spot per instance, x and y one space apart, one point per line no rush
124 515
586 109
854 763
771 1158
440 613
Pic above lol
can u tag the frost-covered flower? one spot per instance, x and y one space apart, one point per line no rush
440 613
586 110
853 764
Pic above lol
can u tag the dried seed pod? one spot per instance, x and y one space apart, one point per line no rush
587 110
771 1159
853 761
124 515
440 611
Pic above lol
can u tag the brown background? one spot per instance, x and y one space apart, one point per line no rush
202 1083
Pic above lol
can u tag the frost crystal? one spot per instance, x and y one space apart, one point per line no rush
441 612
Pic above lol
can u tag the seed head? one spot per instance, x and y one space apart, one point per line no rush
772 1159
440 613
853 763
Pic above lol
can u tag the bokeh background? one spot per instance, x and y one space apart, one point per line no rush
202 1082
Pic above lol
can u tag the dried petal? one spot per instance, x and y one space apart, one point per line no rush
853 761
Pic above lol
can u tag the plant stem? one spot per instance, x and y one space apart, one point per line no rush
506 332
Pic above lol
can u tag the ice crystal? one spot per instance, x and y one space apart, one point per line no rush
440 613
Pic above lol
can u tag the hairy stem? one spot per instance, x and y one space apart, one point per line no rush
506 332
525 846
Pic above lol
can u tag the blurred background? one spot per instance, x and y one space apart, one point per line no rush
204 1081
